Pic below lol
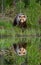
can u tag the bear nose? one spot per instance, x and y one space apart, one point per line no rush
21 20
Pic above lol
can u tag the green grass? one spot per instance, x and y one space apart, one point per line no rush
33 42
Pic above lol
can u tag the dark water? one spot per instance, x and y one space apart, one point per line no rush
35 42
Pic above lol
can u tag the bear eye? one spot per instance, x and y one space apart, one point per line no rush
19 53
24 16
20 49
23 52
19 16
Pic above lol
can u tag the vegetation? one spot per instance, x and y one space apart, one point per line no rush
8 33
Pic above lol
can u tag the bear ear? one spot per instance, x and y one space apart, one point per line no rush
24 45
15 46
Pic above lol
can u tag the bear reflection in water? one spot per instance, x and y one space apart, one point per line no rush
20 49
